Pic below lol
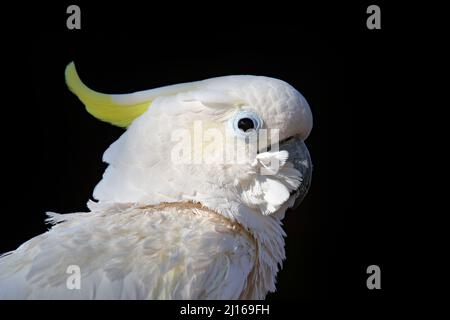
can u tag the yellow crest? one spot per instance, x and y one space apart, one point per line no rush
117 109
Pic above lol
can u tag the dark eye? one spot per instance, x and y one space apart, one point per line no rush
246 124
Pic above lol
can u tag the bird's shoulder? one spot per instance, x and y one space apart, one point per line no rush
164 251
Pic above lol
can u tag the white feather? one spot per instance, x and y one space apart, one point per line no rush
162 230
167 252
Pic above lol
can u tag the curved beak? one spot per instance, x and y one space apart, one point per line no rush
299 156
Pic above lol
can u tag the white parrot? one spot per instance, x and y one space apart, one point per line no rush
173 219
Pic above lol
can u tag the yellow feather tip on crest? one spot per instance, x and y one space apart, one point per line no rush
102 106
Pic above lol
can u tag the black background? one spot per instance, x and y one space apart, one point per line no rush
53 147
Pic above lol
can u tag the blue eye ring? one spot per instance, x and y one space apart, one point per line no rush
240 121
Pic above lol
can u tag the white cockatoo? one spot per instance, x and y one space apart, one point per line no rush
190 207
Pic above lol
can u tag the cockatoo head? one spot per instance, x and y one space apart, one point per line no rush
233 144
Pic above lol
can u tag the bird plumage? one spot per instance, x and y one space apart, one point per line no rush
168 251
167 228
